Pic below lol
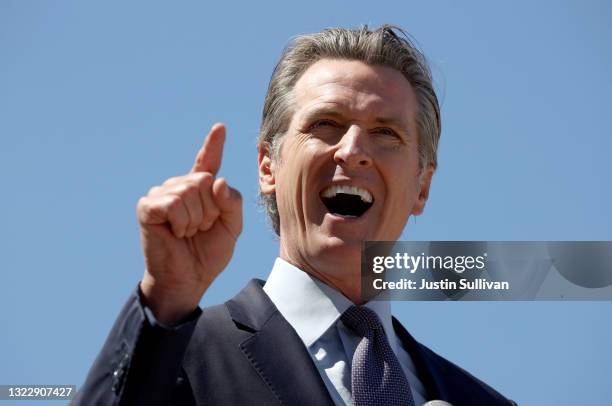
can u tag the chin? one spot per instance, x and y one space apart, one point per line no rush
339 253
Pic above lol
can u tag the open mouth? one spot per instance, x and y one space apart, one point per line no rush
347 201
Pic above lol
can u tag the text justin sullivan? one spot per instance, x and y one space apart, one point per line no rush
444 284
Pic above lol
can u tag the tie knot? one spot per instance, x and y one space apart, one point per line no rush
361 319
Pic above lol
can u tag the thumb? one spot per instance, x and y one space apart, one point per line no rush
229 202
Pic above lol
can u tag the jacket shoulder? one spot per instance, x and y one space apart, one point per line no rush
215 364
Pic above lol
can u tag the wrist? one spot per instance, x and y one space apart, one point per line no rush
170 305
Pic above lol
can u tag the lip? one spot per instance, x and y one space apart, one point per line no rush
334 218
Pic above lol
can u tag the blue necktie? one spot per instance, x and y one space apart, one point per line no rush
376 375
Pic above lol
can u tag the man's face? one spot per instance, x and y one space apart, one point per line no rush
348 168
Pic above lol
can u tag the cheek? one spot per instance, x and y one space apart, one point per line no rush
402 186
297 169
401 198
305 161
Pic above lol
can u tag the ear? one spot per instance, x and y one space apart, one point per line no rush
424 185
267 181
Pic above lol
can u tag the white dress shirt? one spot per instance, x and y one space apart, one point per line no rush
313 309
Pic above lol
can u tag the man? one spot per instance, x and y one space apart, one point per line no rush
347 152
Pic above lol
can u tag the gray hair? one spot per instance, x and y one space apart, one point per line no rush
386 46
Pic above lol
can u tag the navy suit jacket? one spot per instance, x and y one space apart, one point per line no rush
240 353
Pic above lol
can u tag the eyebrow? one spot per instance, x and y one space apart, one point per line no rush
322 111
391 121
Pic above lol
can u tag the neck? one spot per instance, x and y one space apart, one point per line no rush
349 287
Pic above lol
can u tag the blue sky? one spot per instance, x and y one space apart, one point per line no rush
100 101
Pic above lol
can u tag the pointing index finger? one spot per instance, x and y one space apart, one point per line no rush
210 155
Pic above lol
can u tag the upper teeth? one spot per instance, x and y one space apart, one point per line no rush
349 190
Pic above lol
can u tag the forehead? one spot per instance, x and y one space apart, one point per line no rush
354 87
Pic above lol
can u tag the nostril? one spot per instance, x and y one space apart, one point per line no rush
352 156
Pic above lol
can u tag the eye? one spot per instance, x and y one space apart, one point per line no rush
323 123
387 132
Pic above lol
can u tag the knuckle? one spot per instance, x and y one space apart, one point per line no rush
148 210
142 202
142 208
154 191
193 190
174 202
190 194
199 176
172 180
204 179
179 189
154 212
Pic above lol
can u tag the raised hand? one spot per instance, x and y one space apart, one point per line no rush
189 226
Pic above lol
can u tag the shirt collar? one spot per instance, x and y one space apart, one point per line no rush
310 306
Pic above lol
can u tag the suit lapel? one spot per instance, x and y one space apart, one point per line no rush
275 350
427 373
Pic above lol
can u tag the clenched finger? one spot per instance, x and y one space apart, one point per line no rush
211 211
178 217
162 209
190 195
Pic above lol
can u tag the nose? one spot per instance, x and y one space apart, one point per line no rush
351 151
